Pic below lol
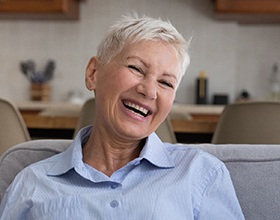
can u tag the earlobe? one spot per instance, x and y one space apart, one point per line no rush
91 74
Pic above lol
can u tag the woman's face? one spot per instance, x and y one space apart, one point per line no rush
135 90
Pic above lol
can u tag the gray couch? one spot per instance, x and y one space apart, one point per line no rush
255 171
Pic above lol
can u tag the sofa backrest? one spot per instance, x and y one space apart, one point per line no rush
255 172
254 169
24 154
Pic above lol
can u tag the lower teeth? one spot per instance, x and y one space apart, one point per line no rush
136 113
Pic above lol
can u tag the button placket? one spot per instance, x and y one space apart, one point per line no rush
116 195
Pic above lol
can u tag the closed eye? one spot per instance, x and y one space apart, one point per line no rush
134 68
165 83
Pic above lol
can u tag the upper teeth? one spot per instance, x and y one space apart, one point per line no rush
137 107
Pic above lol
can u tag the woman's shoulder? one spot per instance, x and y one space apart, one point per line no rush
192 154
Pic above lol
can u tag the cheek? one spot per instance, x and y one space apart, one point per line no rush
166 102
118 78
107 81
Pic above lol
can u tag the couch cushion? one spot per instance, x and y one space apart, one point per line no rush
22 155
255 172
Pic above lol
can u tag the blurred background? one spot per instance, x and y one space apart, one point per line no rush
234 56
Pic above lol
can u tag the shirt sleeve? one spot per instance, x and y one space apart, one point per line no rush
12 206
219 199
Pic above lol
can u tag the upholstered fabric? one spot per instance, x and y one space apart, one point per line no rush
20 156
255 172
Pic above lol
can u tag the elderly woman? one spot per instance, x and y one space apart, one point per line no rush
118 168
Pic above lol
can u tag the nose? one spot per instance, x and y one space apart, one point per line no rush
148 88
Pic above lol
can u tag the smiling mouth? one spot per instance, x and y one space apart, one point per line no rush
136 109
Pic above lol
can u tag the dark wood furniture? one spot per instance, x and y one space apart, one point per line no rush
248 11
39 9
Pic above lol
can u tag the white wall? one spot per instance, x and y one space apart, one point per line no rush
233 56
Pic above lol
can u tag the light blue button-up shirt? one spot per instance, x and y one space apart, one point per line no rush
166 181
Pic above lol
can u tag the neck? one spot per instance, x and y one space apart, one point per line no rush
108 155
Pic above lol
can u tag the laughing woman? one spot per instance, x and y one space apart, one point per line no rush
118 168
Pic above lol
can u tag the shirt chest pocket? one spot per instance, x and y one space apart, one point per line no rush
70 207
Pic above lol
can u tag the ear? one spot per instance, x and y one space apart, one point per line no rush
91 74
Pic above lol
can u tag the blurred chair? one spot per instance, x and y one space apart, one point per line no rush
13 129
249 123
86 115
165 130
20 156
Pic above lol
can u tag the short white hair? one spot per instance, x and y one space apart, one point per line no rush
131 29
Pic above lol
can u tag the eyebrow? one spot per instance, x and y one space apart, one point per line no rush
138 58
171 75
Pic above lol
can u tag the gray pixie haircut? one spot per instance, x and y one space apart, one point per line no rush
131 29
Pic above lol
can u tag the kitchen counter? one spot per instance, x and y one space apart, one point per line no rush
49 115
198 119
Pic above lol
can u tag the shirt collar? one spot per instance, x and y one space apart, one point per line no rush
153 151
72 157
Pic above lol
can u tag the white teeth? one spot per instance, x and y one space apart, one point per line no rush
137 107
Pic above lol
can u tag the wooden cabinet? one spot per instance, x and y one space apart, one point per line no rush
39 9
248 11
248 6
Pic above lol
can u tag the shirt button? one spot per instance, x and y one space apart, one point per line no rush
114 203
114 186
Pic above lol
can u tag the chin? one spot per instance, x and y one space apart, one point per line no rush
135 135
